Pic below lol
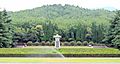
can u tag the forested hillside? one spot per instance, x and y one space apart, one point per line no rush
64 16
76 25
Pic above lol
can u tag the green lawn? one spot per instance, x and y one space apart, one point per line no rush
63 50
27 51
89 51
58 60
34 50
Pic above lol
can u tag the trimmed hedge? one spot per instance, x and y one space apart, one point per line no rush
30 55
71 43
91 55
90 52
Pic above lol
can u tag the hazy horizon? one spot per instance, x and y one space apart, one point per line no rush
16 5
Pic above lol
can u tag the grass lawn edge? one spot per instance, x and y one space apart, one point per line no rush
60 60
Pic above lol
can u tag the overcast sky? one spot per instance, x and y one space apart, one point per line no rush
16 5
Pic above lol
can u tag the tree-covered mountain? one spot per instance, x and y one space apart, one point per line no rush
77 26
64 16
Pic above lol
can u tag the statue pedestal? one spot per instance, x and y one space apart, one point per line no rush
57 41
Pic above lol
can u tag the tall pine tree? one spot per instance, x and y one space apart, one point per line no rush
113 36
116 40
5 30
88 36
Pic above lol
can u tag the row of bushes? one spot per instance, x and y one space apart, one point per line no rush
30 55
91 55
57 55
72 43
40 43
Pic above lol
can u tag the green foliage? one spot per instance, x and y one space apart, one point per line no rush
40 24
37 43
63 16
79 43
29 43
71 39
5 30
66 44
73 43
113 36
43 43
88 36
98 32
91 43
48 43
49 30
85 43
52 43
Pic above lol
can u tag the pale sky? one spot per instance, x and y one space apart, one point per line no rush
16 5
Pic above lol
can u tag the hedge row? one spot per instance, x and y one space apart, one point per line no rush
72 43
91 55
58 55
30 55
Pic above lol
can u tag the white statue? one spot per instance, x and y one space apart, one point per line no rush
57 41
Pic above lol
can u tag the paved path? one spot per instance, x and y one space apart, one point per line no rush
59 63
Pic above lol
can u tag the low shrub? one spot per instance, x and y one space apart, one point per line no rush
91 55
52 43
66 44
73 43
36 43
91 43
79 43
29 43
43 43
85 43
47 43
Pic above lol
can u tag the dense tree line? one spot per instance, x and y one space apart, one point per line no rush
46 30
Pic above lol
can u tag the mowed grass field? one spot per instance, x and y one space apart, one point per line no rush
27 51
62 50
89 51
